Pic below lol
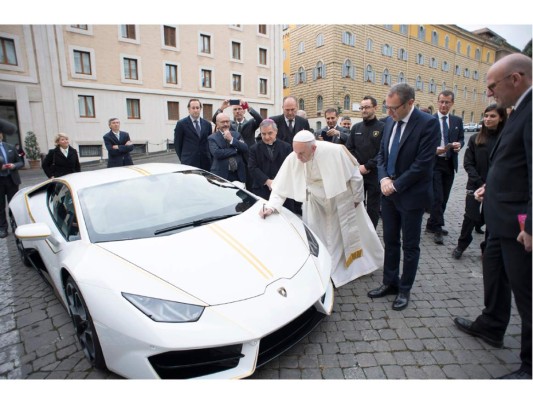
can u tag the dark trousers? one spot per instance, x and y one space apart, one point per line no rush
466 233
7 190
373 196
443 175
506 269
401 229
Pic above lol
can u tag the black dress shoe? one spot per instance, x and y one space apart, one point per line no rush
382 291
468 326
457 253
443 231
401 301
3 233
520 374
438 239
479 230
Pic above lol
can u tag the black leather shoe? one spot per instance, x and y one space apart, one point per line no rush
467 326
520 374
457 253
3 233
438 239
479 230
401 301
443 231
382 291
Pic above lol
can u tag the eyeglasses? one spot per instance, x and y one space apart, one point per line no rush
394 109
493 85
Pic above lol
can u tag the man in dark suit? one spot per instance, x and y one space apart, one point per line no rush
227 149
405 172
289 124
332 132
190 137
265 159
506 200
452 138
118 145
10 162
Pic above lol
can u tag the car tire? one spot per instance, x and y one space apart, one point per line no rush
83 325
23 253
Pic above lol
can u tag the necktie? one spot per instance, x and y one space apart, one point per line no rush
445 130
393 154
198 130
239 127
291 128
3 153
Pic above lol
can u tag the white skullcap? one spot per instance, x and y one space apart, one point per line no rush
304 136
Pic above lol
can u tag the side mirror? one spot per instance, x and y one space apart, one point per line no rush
37 231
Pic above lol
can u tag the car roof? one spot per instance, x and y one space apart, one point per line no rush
81 180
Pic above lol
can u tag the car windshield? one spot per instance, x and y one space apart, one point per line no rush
161 204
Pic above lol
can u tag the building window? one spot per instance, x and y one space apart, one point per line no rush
419 84
348 70
320 40
420 59
81 27
475 76
435 38
386 50
263 86
169 32
474 95
445 66
235 50
301 47
82 62
458 49
369 74
457 70
205 76
236 80
389 27
478 55
369 44
127 31
90 150
86 106
421 33
444 86
465 93
319 103
134 108
8 55
173 110
320 71
263 56
285 81
348 38
468 50
130 69
301 104
401 77
386 78
205 44
171 74
488 57
300 76
262 29
347 102
466 73
403 29
432 86
402 54
446 42
455 90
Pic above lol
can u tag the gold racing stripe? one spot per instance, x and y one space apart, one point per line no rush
243 251
139 170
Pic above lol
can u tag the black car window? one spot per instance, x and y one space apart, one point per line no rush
62 210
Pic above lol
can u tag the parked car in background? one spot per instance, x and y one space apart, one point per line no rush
471 127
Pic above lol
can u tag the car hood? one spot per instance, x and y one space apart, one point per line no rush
226 261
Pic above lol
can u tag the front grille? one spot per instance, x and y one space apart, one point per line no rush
195 363
284 338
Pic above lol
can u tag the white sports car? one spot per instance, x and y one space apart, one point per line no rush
169 272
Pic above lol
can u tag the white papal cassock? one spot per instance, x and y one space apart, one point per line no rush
328 186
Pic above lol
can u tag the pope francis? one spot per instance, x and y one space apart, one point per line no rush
325 177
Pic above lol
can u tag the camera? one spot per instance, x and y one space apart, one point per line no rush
234 102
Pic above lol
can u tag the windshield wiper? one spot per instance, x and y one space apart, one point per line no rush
197 222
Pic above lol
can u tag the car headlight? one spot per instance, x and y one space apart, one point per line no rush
165 310
313 244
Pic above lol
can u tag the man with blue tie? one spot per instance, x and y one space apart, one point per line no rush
190 137
452 138
405 172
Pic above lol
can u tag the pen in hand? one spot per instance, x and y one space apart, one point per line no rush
264 216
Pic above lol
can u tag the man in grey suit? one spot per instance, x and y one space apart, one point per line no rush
506 200
190 137
10 162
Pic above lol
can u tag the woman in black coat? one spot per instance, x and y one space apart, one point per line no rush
61 160
476 164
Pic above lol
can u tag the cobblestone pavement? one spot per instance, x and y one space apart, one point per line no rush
362 339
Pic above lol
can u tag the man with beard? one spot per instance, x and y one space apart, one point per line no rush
363 142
